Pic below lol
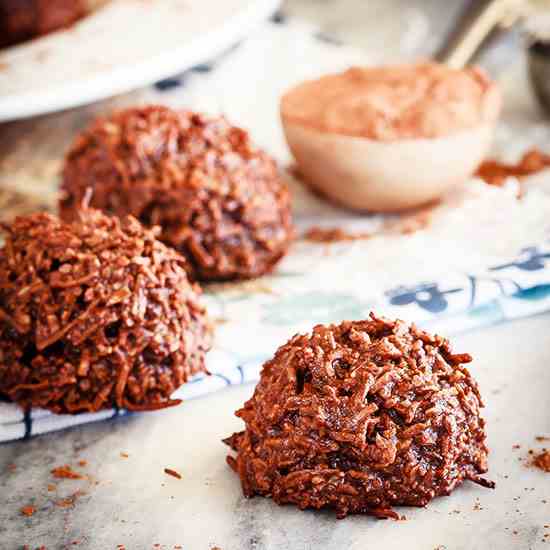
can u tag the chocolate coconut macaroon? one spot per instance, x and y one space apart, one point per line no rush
361 417
218 200
21 20
95 314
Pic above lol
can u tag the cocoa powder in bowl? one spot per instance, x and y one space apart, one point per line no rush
390 138
95 314
361 417
218 200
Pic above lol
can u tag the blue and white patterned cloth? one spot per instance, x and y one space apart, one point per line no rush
517 288
499 278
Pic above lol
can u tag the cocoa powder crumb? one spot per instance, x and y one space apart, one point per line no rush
66 472
496 173
28 510
542 461
542 438
82 463
409 223
172 473
124 455
51 487
332 235
413 224
69 501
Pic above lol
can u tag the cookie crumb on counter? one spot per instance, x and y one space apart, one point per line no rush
28 511
172 473
65 472
542 460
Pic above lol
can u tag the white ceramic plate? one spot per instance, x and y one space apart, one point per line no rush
124 45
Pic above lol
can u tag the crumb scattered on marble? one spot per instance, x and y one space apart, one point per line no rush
69 501
51 487
28 511
124 455
83 463
66 472
172 473
542 460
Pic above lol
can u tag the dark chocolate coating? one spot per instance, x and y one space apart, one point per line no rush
361 417
218 201
21 20
95 314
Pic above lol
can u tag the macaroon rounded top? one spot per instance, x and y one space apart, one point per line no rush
95 314
360 417
218 200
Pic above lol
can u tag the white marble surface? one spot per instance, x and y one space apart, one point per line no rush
137 505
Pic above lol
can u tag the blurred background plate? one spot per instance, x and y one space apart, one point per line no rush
124 45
